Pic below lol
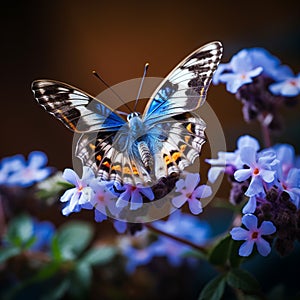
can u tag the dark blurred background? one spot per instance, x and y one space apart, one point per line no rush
66 40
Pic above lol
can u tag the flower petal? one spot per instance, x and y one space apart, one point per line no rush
248 156
37 159
250 206
250 221
255 187
239 234
267 227
68 195
214 173
263 247
87 174
191 181
178 201
246 248
71 176
195 206
202 191
99 216
120 226
247 141
242 175
147 192
267 175
136 200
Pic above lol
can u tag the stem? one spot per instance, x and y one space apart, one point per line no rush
265 132
176 238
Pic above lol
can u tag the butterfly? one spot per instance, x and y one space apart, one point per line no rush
165 139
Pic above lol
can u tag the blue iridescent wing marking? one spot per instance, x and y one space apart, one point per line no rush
185 88
76 109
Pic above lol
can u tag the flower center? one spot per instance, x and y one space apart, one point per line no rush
284 186
256 171
101 198
254 235
80 188
293 83
189 195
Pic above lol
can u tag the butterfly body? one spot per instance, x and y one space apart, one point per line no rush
163 140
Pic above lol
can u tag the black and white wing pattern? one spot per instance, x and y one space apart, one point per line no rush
183 91
185 88
172 136
76 109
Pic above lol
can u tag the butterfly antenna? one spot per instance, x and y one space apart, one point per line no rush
111 89
141 85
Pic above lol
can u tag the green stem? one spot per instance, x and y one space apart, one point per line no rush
176 238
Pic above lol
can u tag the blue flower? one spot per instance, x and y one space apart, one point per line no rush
240 71
102 200
133 194
229 162
288 86
43 232
17 172
136 256
285 154
291 185
10 165
253 235
81 193
260 57
261 169
120 226
191 193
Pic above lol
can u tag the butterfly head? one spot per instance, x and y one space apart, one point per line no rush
133 115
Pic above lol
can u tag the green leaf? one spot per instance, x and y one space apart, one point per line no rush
47 271
214 289
55 250
234 257
72 238
241 279
6 253
83 274
20 230
99 255
81 279
220 253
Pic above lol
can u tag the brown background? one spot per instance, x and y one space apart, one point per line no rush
66 40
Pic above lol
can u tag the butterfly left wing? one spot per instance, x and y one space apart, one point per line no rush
77 110
185 88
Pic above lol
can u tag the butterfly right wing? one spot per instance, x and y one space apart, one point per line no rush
77 110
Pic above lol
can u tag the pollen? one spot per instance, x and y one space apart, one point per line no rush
256 171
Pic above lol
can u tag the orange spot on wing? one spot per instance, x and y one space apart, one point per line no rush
70 124
106 164
176 155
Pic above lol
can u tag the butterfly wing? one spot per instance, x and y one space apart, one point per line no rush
76 109
185 88
183 91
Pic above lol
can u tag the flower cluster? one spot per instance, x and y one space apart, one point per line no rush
261 83
15 171
109 198
139 250
270 180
